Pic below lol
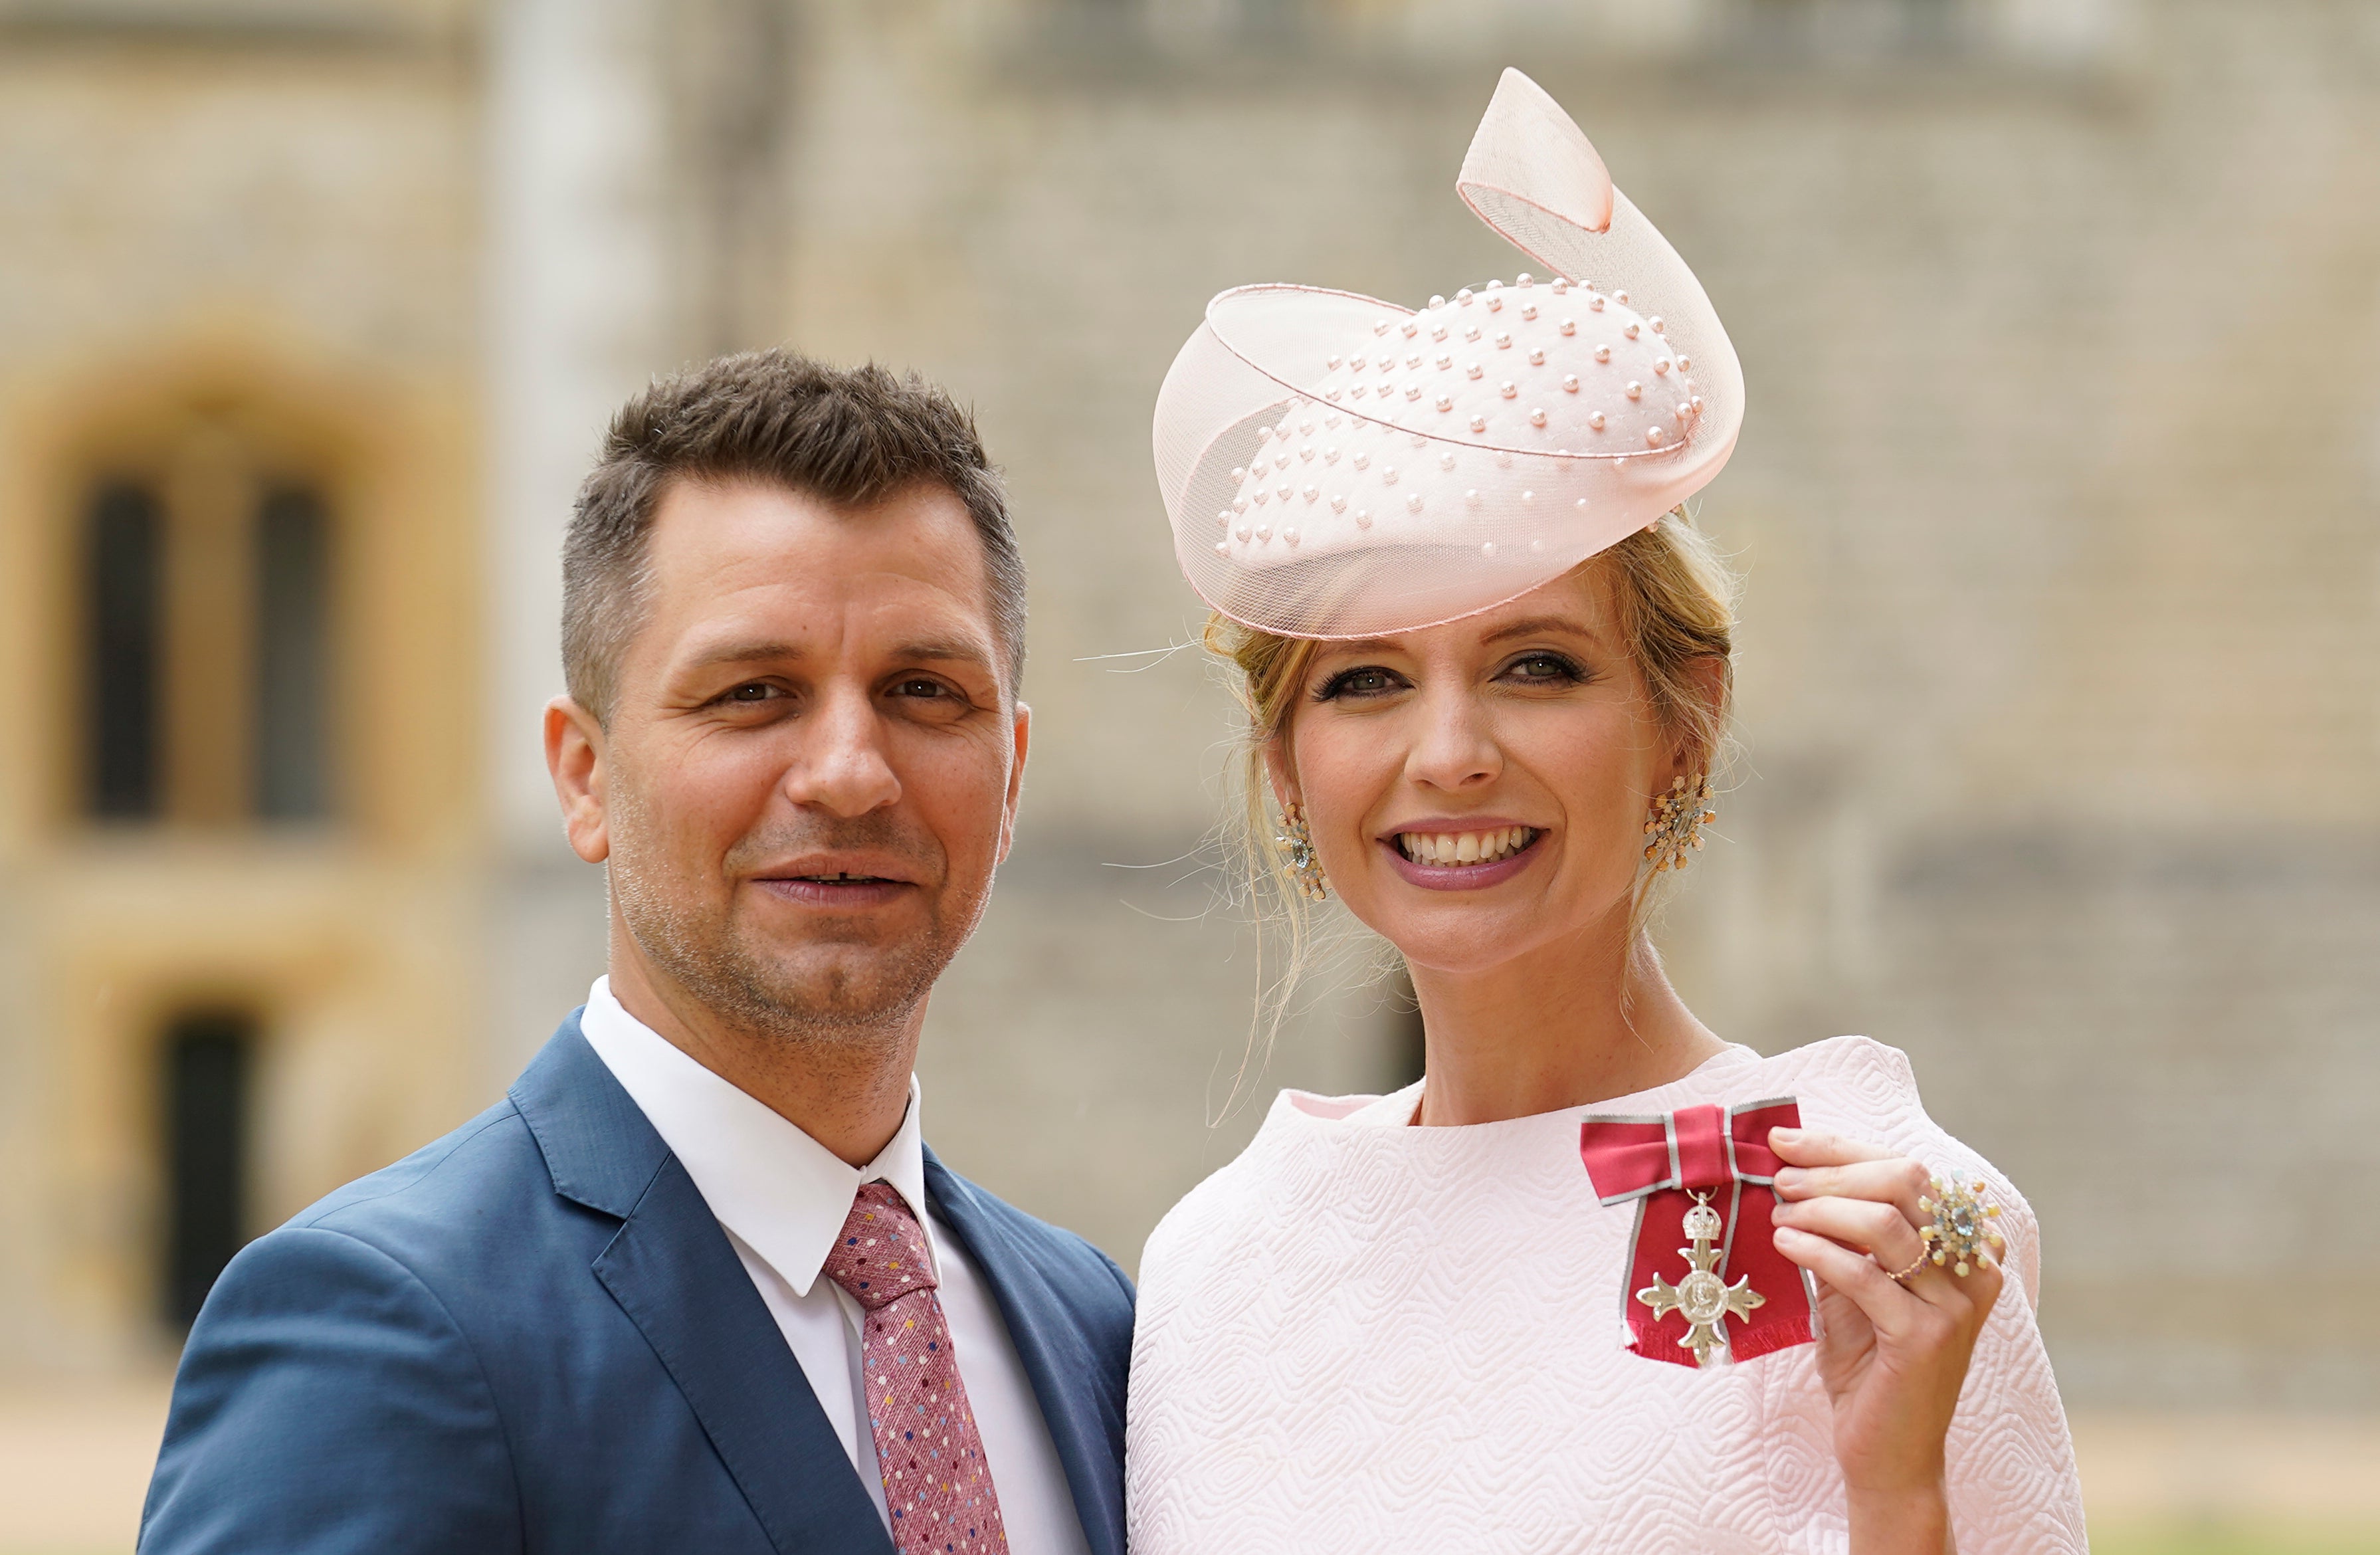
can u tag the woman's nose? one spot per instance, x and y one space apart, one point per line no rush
1455 745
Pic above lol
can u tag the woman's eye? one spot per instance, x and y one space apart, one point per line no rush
752 691
1366 681
1543 667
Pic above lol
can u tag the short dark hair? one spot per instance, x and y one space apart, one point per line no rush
851 436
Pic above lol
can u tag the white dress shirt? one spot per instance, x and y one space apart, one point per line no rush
781 1197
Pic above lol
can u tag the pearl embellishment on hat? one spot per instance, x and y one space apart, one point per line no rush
1570 382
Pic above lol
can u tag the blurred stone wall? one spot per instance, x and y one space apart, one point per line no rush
2061 663
2061 658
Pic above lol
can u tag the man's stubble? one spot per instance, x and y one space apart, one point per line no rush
863 998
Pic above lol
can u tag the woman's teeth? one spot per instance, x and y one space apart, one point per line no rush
1465 847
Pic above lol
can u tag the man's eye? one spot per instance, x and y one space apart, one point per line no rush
752 691
920 687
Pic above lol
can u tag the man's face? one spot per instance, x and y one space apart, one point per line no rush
813 766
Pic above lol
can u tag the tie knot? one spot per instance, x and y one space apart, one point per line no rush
882 1255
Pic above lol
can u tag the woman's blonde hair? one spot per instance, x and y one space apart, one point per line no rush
1675 597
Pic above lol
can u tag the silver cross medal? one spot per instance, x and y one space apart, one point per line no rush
1706 1299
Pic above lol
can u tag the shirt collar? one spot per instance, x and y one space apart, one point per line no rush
782 1194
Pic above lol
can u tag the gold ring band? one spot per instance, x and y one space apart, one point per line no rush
1901 1278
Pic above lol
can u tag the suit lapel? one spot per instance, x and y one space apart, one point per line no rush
1086 1428
675 1275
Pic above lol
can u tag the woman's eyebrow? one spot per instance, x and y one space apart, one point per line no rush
1535 624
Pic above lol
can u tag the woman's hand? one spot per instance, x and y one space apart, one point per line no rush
1892 1355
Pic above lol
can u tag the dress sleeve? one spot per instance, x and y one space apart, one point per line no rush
328 1403
2013 1486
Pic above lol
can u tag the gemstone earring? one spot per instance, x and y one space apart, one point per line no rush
1677 823
1297 840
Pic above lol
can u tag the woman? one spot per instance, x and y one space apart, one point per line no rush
1486 659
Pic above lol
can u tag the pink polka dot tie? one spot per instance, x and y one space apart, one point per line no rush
937 1485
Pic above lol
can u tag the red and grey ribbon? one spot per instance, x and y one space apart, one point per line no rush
1661 1162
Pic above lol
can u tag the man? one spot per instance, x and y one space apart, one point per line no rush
695 1283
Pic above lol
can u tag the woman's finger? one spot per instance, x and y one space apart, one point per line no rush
1885 1236
1891 1310
1878 1228
1809 1146
1893 1179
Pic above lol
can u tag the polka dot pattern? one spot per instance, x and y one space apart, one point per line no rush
937 1485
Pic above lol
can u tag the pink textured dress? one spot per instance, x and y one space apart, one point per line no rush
1365 1336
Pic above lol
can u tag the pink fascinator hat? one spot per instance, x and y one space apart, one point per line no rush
1339 467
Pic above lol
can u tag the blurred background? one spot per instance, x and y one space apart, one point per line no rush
2059 498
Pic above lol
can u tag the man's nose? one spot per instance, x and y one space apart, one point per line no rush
1455 745
842 767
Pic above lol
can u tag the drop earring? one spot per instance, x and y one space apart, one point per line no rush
1296 840
1677 823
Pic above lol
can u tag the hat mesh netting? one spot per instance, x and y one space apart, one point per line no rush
1338 466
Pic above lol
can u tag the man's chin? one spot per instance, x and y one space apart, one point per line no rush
852 982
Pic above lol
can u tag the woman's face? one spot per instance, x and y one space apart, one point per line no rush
1479 790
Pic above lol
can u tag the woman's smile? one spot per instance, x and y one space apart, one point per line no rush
1462 855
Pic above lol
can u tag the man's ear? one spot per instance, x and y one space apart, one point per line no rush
575 756
1021 731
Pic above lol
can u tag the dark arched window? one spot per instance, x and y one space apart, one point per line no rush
207 653
124 665
290 768
208 1056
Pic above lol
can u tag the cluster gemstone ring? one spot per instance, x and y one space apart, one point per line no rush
1962 1236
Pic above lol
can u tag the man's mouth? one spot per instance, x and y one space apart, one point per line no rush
841 890
1458 849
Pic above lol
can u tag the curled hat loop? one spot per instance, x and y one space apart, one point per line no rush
1275 367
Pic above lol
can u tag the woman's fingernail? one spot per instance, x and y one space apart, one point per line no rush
1784 1135
1789 1176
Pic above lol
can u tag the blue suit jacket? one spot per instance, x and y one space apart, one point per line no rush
533 1336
